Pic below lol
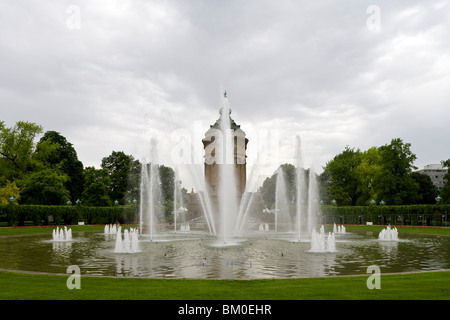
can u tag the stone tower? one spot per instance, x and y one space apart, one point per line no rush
214 159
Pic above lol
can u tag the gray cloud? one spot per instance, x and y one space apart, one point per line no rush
141 69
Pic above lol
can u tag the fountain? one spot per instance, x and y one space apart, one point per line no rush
248 200
223 195
339 229
320 243
388 234
110 229
177 202
282 203
313 201
300 183
129 243
62 234
307 200
150 195
227 197
185 227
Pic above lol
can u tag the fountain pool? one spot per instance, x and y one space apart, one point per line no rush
195 255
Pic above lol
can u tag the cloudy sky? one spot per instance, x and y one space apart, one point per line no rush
112 75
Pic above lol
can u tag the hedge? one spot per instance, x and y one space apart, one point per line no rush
414 215
68 215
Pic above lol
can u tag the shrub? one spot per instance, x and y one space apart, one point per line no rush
39 215
415 215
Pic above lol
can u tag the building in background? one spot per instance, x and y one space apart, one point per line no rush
436 172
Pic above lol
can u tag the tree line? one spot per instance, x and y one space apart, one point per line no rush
49 172
379 175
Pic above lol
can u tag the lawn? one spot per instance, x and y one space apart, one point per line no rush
9 231
433 285
403 229
408 286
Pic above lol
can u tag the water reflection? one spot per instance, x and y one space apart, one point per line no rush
61 250
127 265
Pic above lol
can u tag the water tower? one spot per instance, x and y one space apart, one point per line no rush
215 157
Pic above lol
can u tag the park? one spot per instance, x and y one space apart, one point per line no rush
223 239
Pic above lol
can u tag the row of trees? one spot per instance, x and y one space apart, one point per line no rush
49 172
378 175
382 174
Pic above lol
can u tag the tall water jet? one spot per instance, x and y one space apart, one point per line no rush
227 196
177 199
248 199
301 188
313 201
150 195
225 173
282 203
203 198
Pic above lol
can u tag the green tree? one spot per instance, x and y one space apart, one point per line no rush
16 149
445 191
96 187
427 190
54 151
396 183
167 178
134 182
291 180
368 174
45 187
124 172
8 191
268 189
340 178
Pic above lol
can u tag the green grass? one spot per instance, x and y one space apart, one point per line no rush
438 231
410 286
423 286
9 231
13 231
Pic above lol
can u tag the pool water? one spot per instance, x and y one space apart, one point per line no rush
197 256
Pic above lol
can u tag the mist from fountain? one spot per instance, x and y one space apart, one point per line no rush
199 183
247 200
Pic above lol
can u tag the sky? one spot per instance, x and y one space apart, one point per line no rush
147 77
